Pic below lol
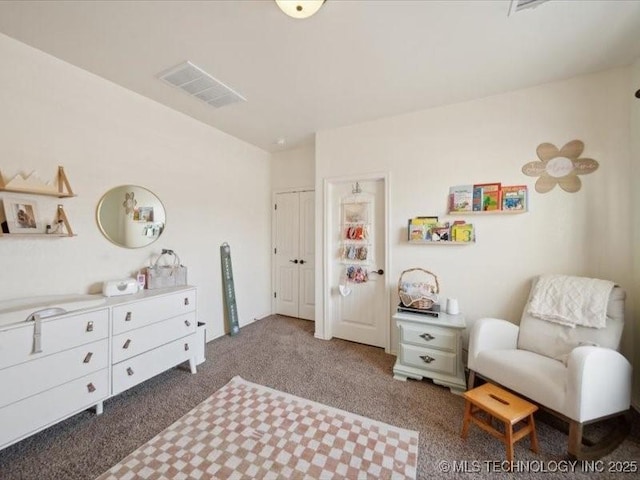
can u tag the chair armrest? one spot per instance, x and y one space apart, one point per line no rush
491 334
598 383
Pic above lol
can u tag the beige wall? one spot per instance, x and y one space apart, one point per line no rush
215 188
635 218
293 168
586 233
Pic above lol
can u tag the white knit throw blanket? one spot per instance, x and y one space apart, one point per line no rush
571 301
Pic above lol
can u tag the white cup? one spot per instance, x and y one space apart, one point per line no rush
452 306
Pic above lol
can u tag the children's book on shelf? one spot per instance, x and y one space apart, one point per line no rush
461 198
462 232
420 227
477 198
514 197
440 232
491 199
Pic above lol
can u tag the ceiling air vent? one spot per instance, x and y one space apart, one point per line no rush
518 5
198 83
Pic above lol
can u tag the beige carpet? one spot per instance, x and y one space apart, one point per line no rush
283 354
247 431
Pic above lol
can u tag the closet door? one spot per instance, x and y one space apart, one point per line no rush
307 272
294 254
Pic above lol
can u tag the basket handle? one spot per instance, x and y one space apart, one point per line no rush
176 258
422 270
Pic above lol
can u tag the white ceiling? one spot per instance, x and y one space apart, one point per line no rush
353 61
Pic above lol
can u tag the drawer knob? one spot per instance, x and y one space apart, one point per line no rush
91 388
129 371
127 343
427 336
187 323
89 326
186 300
186 346
427 358
128 317
87 357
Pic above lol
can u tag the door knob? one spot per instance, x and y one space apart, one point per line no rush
302 262
294 261
379 271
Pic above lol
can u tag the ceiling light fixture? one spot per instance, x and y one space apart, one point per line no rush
300 8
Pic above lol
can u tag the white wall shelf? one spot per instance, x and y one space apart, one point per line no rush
487 212
440 242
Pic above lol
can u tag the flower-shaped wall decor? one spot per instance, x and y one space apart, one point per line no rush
129 203
560 167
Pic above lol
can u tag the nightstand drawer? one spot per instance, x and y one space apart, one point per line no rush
428 359
429 336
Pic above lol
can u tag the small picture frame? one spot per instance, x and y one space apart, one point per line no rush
22 216
143 214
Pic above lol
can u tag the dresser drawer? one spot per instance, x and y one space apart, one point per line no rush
428 359
38 375
151 310
58 334
32 414
130 372
134 342
429 336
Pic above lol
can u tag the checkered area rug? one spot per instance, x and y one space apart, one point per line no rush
248 431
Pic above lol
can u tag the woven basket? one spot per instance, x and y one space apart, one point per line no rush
419 302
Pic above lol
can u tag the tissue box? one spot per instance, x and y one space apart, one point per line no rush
125 286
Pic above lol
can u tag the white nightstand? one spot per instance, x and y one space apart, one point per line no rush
431 347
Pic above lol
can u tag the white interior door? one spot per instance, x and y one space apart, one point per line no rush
307 257
294 255
362 315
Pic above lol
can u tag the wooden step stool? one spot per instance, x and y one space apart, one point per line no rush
504 406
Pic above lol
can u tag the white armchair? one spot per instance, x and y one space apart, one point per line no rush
576 373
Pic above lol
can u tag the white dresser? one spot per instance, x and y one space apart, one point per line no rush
430 347
84 357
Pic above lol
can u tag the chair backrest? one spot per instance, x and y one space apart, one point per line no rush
556 341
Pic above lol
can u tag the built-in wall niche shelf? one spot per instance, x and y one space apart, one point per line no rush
33 185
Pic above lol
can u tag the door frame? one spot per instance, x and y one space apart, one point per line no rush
274 196
323 322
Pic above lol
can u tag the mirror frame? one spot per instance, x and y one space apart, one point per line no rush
122 192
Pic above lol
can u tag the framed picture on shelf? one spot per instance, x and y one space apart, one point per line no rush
22 216
143 214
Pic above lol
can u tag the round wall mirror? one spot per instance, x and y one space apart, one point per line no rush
131 216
